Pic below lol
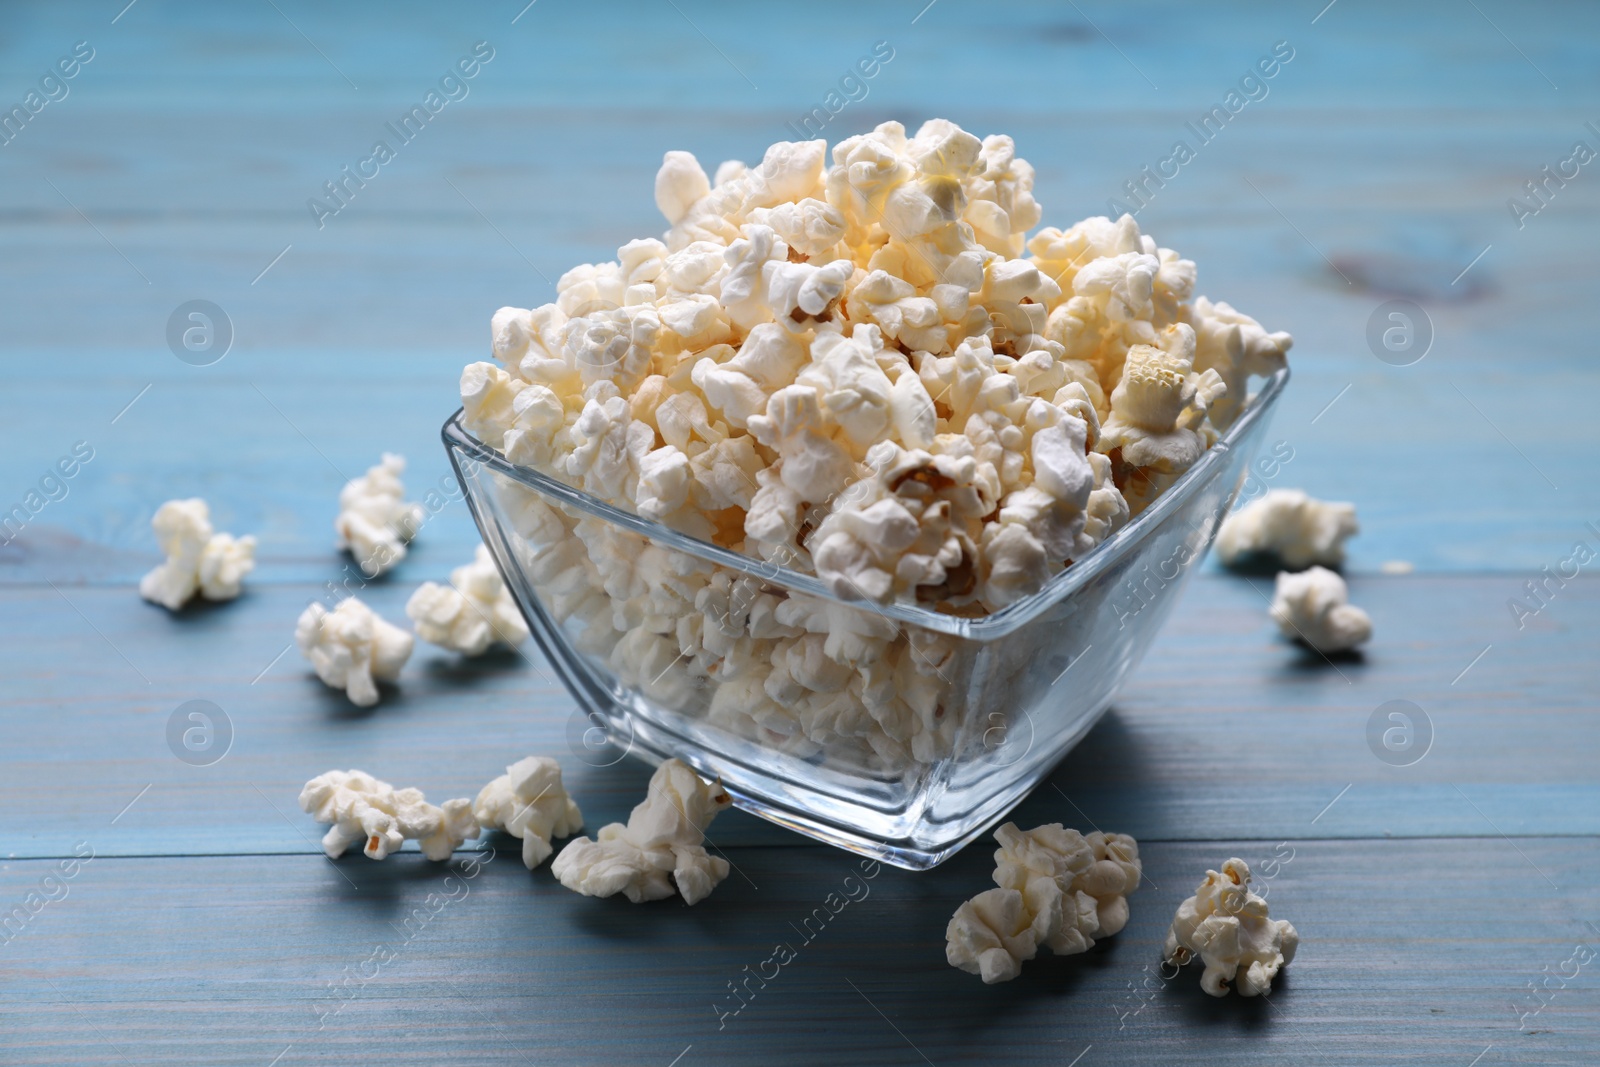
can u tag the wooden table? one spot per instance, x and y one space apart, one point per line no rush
1433 899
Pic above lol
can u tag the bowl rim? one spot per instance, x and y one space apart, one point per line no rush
982 628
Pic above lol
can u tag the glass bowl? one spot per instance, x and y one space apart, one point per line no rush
895 731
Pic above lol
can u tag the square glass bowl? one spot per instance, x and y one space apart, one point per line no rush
895 731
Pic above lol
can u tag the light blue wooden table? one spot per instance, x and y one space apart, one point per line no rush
1442 905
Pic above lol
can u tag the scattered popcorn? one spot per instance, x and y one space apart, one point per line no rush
1057 888
529 801
1313 606
351 648
854 365
198 560
662 838
375 523
361 808
1227 927
471 613
993 934
1299 530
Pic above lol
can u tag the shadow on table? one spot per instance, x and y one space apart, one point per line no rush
1308 661
1096 786
447 669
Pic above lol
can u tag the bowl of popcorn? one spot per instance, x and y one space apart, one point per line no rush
849 493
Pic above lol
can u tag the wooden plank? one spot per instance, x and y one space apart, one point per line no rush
257 58
1388 146
1378 161
1422 949
269 442
1224 731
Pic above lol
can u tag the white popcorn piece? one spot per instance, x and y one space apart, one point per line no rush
660 846
1236 347
1057 888
679 183
812 463
363 809
992 935
471 613
530 802
1227 928
198 560
1314 606
903 533
351 648
1084 879
808 226
375 523
1158 409
1298 529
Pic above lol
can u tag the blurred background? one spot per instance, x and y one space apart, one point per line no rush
1378 165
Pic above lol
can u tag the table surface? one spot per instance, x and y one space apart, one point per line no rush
1446 908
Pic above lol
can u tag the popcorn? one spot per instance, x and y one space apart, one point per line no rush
855 365
375 523
992 935
811 462
1156 430
662 838
1235 346
803 296
361 808
471 613
198 560
808 226
680 184
1313 606
529 801
1227 927
907 531
351 648
1298 529
1057 888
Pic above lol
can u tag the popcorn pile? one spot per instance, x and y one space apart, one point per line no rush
663 837
1227 928
198 560
1057 888
862 371
854 370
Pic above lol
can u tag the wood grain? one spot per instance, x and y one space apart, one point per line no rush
1225 731
1409 954
207 930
